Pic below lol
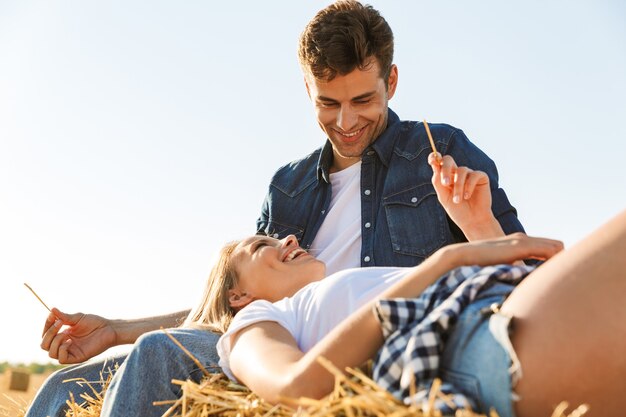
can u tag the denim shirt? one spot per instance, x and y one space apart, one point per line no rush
402 221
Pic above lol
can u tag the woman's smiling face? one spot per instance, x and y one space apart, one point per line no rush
272 269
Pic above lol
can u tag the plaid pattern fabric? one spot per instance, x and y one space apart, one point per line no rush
416 330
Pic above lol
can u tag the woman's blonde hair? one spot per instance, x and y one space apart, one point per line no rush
214 312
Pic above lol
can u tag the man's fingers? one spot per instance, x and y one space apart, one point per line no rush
69 319
50 334
64 354
53 352
49 322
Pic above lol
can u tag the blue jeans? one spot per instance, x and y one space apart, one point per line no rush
144 376
476 359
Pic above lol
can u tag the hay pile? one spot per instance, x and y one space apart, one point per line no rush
91 400
355 395
216 395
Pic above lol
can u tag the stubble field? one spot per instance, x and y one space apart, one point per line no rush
11 402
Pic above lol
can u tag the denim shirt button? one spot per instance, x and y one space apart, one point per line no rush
414 200
370 153
323 211
366 259
367 192
368 225
275 235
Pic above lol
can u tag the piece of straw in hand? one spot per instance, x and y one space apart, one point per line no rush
432 142
39 298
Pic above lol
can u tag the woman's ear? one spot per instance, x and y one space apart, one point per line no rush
239 299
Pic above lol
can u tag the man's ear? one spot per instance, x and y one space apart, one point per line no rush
239 299
392 81
306 84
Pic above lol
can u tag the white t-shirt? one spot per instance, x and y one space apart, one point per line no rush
315 310
338 242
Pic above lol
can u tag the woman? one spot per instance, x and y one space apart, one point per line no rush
570 323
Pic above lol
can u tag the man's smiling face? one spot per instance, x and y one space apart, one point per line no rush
352 110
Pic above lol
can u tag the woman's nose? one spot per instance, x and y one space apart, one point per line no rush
290 240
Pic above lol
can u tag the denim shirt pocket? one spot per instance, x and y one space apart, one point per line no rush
279 230
417 222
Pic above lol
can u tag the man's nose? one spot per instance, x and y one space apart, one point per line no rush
347 118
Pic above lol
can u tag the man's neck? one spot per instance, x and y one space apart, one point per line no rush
340 163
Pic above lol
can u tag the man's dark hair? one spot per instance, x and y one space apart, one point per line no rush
343 37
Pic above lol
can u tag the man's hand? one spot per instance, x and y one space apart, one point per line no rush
85 336
466 197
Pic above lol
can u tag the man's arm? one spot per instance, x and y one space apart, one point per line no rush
74 338
128 331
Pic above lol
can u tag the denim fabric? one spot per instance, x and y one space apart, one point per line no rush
144 376
402 221
53 394
474 361
417 330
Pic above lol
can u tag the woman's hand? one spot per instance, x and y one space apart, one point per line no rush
85 336
503 250
466 196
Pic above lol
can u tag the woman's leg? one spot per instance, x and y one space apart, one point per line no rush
570 327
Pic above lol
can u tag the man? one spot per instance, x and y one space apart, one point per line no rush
365 198
382 209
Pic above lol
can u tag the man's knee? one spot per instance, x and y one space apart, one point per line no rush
155 346
156 350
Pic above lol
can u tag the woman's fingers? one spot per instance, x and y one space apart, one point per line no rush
545 248
509 249
458 183
534 247
474 179
448 169
435 159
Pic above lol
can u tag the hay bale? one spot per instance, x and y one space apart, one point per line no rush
17 380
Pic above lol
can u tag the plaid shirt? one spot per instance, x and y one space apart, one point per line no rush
416 329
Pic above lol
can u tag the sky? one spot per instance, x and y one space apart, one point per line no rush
136 137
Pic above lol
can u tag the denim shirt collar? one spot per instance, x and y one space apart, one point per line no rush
383 147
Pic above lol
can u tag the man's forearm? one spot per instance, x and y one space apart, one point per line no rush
128 331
